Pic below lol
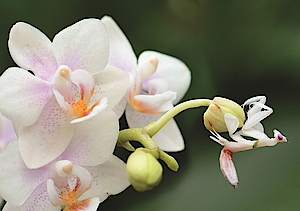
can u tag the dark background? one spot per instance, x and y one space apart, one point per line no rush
236 49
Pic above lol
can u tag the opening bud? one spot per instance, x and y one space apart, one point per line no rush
143 170
214 115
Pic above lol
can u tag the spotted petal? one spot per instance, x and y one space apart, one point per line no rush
109 178
94 140
83 45
16 174
38 200
23 96
51 131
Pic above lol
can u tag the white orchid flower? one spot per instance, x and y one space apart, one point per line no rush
71 181
158 81
71 83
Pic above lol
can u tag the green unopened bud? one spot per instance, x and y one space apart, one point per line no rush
143 170
214 115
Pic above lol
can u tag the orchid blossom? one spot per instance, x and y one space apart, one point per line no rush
73 181
71 83
157 82
252 128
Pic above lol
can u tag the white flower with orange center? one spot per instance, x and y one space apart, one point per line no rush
59 83
73 181
157 82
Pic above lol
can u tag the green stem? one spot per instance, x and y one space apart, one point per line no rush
153 128
137 134
140 135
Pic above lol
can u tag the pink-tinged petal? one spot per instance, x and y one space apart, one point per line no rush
111 83
109 178
152 104
227 167
94 140
32 50
121 54
89 204
83 45
23 96
15 174
51 131
172 70
7 132
169 138
38 200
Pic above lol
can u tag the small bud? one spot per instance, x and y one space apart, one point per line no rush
214 115
143 170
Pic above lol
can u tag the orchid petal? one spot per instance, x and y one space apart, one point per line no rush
111 83
152 104
169 138
32 50
227 167
120 107
7 132
16 174
83 45
172 70
89 204
23 96
38 200
51 131
109 178
121 54
93 148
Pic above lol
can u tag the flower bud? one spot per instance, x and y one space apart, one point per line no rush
143 170
214 115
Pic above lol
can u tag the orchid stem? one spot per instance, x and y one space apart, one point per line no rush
154 127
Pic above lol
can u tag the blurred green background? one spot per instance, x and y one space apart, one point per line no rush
237 49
